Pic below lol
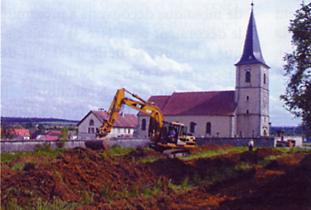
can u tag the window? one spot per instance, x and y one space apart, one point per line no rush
143 124
247 98
208 128
91 130
128 131
264 79
192 127
91 122
248 77
247 112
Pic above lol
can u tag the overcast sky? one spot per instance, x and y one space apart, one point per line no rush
62 58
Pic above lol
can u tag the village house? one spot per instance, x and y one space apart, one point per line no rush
89 125
19 133
243 112
50 135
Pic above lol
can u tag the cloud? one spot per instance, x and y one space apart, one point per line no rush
141 60
61 58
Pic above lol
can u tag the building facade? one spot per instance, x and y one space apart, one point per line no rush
243 112
88 127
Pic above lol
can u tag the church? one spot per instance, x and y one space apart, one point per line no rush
243 112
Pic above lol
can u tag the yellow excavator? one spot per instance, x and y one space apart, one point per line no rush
167 137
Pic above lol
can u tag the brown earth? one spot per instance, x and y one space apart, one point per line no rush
95 180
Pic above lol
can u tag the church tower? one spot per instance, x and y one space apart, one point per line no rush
252 87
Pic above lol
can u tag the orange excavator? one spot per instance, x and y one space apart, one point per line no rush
167 137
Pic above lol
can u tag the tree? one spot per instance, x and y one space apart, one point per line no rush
64 134
297 67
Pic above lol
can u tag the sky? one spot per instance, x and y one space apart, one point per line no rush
63 58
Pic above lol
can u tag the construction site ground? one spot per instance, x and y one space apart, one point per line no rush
212 177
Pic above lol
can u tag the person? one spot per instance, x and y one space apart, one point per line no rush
172 134
251 145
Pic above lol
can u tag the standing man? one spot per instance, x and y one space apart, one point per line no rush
250 145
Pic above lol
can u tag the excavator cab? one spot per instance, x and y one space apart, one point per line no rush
172 136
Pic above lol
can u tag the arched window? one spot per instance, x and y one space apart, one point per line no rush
208 128
91 122
247 98
192 127
264 79
247 76
143 124
247 112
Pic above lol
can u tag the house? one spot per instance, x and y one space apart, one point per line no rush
50 135
19 133
89 125
242 112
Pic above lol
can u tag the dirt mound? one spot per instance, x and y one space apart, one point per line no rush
98 180
73 176
175 169
258 155
291 190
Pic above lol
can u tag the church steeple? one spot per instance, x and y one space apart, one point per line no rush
251 53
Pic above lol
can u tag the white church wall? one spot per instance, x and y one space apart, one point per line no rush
221 126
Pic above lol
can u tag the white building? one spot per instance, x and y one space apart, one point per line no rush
88 126
242 112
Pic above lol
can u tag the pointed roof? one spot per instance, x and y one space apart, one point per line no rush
252 52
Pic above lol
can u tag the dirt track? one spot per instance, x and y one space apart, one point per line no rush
92 180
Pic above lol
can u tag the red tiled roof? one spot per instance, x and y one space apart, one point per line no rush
124 121
19 132
196 103
54 132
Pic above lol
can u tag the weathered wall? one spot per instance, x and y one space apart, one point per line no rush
259 142
222 126
14 146
253 101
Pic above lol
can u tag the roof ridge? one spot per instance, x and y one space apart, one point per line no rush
204 91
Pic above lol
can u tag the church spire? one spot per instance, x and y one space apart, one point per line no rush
251 53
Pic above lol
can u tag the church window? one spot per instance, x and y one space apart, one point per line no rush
208 128
247 112
143 124
247 76
91 122
192 127
264 79
247 98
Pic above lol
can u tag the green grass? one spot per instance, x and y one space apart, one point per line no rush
117 150
293 150
43 205
18 166
39 151
148 159
215 152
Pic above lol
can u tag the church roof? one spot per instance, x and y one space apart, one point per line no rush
221 103
252 52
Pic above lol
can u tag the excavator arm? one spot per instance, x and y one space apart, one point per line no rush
136 103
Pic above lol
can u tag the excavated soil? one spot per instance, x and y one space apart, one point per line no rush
93 180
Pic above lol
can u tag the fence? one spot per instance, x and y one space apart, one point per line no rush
30 145
258 142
